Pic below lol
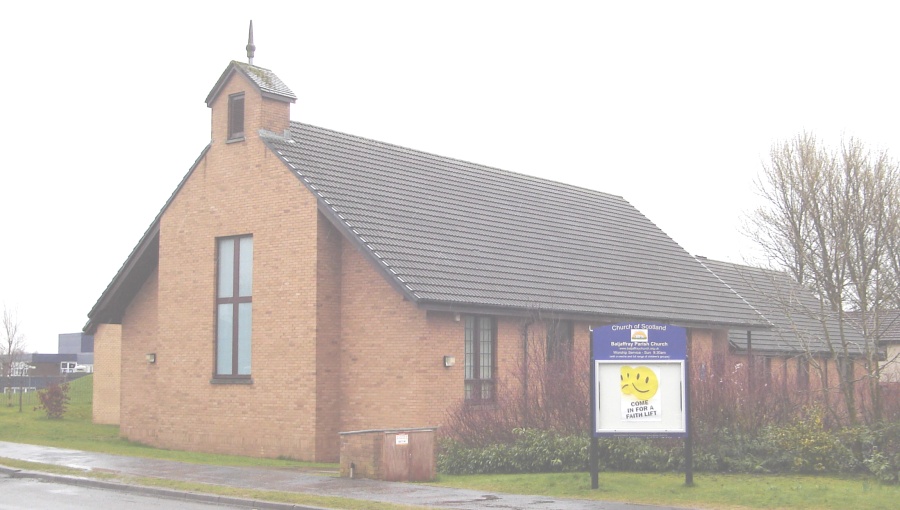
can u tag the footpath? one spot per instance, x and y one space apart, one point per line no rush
273 479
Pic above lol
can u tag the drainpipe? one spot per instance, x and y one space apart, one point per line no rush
525 368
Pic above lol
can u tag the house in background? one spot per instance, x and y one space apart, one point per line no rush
884 327
301 282
801 353
889 340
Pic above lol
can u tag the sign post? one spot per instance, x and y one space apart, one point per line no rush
639 383
595 444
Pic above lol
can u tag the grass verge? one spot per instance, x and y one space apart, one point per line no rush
709 490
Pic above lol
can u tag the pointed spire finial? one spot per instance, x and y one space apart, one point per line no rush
251 48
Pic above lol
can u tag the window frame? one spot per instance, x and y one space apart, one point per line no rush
236 116
803 367
235 299
19 369
847 372
474 384
560 340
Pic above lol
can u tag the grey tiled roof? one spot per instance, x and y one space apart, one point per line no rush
889 326
792 309
266 80
269 84
455 234
885 325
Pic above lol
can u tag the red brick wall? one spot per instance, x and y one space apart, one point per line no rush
392 353
388 363
107 373
335 347
328 358
238 188
140 393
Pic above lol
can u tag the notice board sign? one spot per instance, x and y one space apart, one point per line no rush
639 380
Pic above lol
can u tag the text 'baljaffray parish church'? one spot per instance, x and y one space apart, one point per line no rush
301 282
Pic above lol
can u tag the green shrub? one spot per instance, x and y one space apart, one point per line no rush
880 451
540 451
640 454
532 451
803 446
806 447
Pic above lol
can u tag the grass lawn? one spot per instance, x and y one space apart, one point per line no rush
76 431
709 490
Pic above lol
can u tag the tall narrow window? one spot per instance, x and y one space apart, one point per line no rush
845 367
234 306
480 358
761 370
236 116
560 339
803 373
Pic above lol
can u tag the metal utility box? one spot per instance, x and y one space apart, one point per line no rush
397 455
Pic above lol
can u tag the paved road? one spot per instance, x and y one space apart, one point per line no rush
428 496
30 493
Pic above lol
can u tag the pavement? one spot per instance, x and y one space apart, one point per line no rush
276 479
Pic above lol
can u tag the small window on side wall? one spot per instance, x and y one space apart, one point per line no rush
803 373
236 116
560 340
481 358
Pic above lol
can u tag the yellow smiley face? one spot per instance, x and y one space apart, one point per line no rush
639 382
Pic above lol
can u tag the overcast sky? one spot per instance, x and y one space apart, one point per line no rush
672 105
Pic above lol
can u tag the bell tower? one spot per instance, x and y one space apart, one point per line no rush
247 99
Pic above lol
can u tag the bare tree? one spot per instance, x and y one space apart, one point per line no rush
13 346
830 218
892 244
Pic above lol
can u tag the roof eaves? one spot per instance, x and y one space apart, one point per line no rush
597 318
219 84
138 254
142 256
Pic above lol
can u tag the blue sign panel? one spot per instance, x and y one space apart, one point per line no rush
639 341
640 385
